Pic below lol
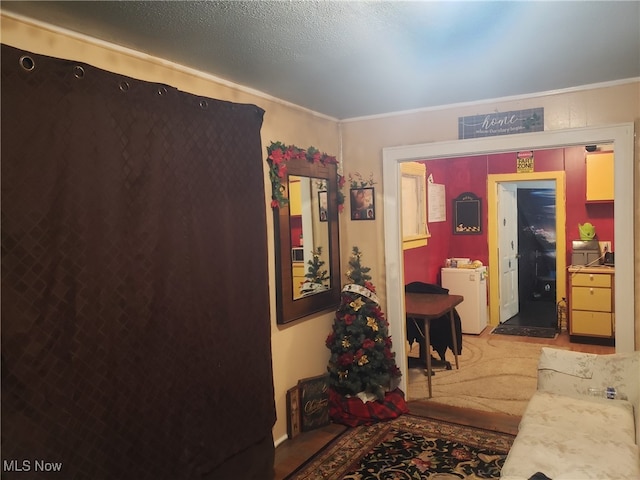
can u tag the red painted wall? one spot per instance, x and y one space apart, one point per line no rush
469 174
459 175
296 230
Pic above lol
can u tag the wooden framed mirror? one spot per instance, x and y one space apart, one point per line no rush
306 238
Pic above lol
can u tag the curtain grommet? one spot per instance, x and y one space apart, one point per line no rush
78 72
27 63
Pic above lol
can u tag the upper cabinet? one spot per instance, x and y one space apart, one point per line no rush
599 168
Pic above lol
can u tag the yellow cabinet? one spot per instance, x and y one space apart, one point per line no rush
591 323
298 277
591 302
599 174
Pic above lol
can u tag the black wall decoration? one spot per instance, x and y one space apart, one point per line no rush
467 208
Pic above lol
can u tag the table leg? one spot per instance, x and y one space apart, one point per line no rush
427 342
454 337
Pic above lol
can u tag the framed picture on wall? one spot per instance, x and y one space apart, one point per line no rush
363 204
467 209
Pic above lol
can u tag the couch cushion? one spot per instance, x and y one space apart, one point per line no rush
568 372
568 454
567 362
575 437
590 416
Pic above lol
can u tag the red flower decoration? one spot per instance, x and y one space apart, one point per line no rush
346 359
276 156
368 343
330 339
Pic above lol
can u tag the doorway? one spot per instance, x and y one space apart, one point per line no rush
536 255
505 290
620 135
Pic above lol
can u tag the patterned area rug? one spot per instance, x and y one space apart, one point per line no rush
497 374
409 447
539 332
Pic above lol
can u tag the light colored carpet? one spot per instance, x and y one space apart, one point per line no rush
494 376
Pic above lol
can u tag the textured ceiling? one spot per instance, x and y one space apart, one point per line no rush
353 58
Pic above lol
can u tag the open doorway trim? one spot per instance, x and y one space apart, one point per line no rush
620 135
492 226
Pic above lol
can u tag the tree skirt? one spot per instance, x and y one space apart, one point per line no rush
409 447
353 411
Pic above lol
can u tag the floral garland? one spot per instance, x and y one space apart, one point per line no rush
278 156
356 180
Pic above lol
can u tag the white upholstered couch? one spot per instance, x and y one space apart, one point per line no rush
568 434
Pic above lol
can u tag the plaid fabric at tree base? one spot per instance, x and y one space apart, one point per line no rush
353 411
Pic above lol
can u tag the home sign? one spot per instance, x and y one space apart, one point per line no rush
501 123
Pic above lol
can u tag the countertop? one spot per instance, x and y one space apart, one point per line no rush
591 269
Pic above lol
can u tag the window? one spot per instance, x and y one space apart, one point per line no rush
414 199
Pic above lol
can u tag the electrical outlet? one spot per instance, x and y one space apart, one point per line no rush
605 247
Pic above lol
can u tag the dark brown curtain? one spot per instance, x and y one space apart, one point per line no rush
135 304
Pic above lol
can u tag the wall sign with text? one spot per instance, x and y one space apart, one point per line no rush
314 402
501 123
524 162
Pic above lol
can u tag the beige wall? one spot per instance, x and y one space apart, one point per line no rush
298 348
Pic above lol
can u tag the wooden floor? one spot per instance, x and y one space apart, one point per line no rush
561 341
293 453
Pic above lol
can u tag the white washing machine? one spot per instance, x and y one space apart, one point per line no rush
471 283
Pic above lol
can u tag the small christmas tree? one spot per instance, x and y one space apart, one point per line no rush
314 274
361 358
357 274
315 277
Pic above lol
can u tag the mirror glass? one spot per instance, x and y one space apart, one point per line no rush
309 227
307 245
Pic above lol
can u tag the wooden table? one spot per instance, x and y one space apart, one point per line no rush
428 306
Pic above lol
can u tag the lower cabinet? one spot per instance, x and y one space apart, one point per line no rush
298 278
591 302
